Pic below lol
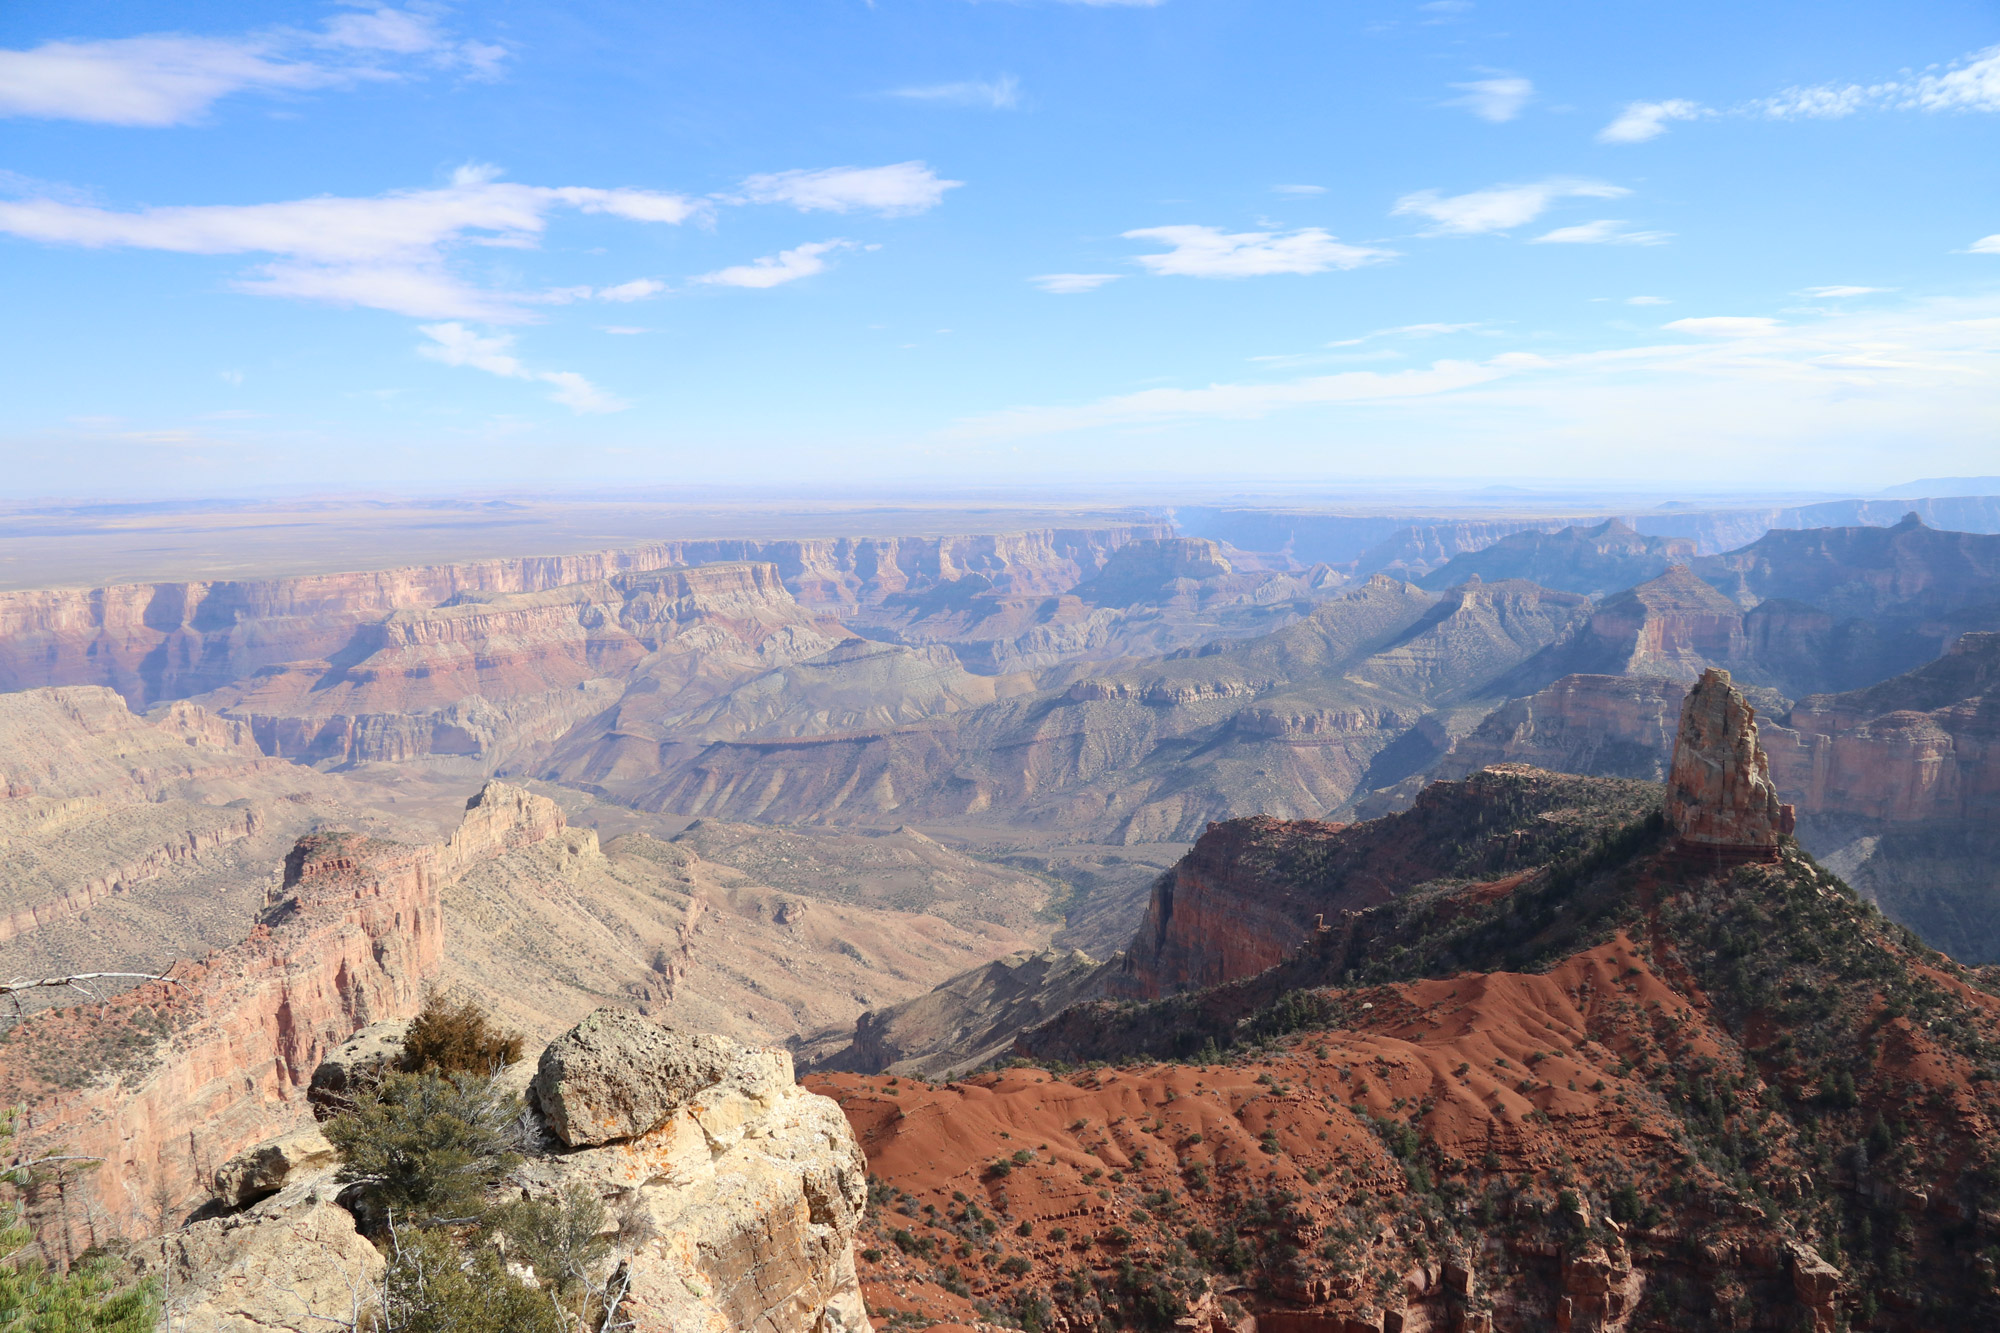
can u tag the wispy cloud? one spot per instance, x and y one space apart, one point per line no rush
1604 231
1498 207
453 344
1298 189
1001 94
168 79
1970 83
1498 99
893 191
1834 293
638 289
1210 252
1985 245
1069 284
1640 121
775 270
390 251
1741 379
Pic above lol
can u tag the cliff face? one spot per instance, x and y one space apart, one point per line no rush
1250 890
176 1079
154 642
1606 726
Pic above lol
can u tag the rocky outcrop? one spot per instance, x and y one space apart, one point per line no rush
1720 798
1251 890
267 1168
744 1190
169 1081
293 1263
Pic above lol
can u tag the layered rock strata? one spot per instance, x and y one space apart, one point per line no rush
1720 798
177 1078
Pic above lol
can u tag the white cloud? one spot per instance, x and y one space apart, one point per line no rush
1834 293
1298 189
388 252
166 79
1604 231
1068 284
624 330
1497 99
1971 84
455 345
1727 326
1499 207
1640 121
893 191
1210 252
1839 387
636 290
1001 94
773 270
1985 245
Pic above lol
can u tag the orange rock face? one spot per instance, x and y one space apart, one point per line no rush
189 1075
1720 797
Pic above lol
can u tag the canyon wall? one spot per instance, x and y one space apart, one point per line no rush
154 642
166 1082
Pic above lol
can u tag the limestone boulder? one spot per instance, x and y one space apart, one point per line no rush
736 1210
358 1062
265 1169
293 1263
616 1075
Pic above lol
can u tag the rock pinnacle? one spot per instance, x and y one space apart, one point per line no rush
1720 799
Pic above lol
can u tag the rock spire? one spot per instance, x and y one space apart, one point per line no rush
1720 799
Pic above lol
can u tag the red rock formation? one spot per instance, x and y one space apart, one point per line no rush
1720 799
1251 889
188 1075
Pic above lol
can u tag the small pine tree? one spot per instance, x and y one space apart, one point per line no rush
89 1298
456 1037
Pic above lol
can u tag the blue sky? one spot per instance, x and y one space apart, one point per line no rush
954 243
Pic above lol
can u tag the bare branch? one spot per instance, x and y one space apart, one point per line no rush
22 983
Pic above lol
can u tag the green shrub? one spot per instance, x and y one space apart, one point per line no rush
423 1147
456 1037
559 1238
432 1287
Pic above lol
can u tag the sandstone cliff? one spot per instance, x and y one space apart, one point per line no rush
167 1081
1720 799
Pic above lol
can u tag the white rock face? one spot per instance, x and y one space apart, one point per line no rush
738 1210
291 1264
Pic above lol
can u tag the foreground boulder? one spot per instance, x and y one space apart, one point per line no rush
267 1168
738 1193
616 1075
292 1264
